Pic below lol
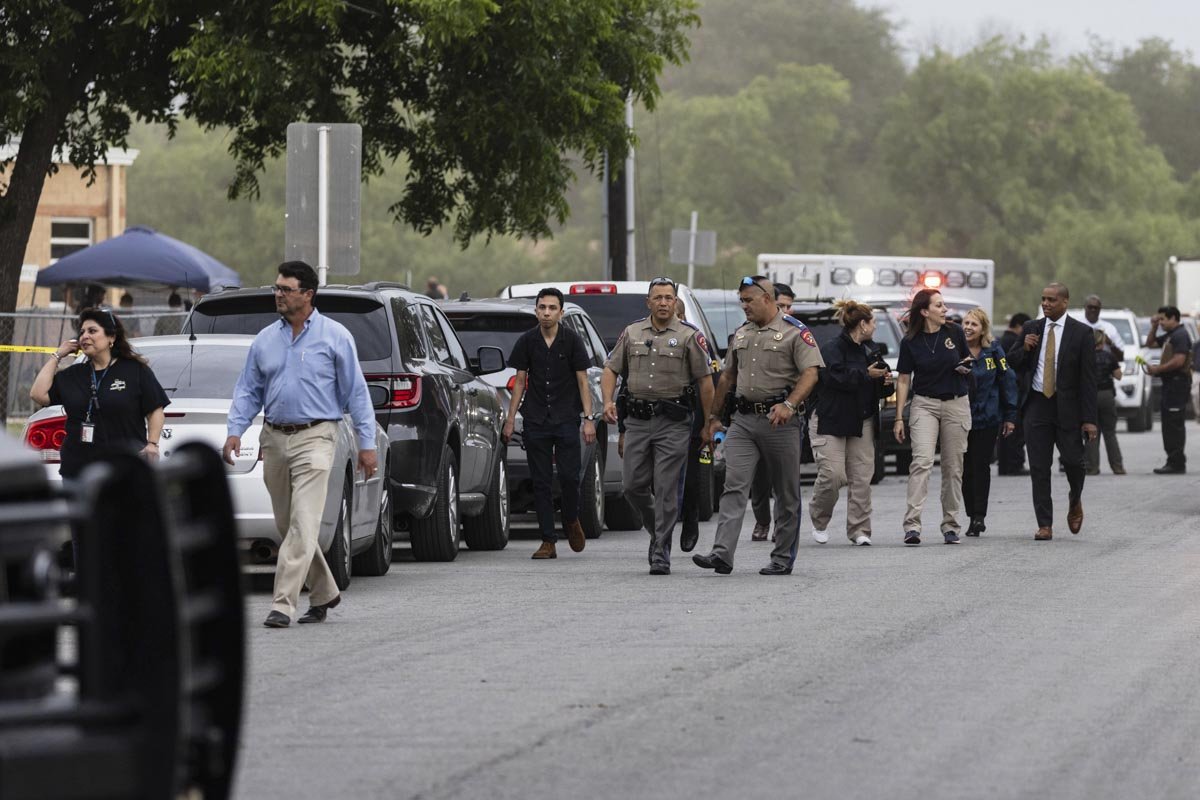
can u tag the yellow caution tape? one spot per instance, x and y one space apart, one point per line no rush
26 348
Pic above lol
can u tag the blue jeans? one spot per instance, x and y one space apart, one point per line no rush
547 446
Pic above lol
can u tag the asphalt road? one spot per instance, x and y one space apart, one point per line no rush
999 668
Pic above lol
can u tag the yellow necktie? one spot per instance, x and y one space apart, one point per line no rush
1048 365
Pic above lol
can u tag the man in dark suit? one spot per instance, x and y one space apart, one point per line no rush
1056 353
1010 450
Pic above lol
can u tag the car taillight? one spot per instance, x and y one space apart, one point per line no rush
593 288
405 389
47 437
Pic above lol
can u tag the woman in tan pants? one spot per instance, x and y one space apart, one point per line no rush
842 429
934 363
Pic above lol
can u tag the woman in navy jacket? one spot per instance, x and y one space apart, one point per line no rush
843 426
993 390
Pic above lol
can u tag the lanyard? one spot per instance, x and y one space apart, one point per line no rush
94 400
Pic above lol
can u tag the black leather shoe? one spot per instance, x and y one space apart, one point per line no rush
712 562
277 619
775 569
317 613
1169 470
689 536
976 527
660 569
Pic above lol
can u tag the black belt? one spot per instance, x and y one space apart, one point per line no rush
762 407
297 427
942 397
647 409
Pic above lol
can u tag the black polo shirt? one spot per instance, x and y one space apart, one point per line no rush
551 391
931 358
1179 342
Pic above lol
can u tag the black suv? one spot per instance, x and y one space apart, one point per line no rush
443 422
818 315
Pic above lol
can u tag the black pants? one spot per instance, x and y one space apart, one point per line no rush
689 511
1010 451
1174 434
977 470
548 446
1042 433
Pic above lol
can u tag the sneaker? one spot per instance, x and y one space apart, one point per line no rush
951 537
912 537
820 537
862 540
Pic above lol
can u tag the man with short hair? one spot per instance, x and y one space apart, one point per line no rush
664 361
1057 353
1010 450
171 323
784 297
772 364
303 372
1174 368
1091 315
551 391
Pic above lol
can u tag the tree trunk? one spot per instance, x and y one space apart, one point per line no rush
18 207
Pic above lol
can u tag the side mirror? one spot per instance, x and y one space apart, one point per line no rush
491 360
380 396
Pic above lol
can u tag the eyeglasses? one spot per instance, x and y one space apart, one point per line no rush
277 289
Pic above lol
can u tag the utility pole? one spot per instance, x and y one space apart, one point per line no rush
614 223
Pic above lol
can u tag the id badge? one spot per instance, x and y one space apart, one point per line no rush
87 433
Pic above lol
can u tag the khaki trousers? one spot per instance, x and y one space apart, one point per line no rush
932 421
843 461
296 471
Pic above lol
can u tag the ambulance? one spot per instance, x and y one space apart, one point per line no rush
965 283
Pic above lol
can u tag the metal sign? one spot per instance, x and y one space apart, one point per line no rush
706 247
324 178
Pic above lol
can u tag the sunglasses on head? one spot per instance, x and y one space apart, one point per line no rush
749 281
662 282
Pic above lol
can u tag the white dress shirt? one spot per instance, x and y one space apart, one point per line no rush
1110 331
1041 363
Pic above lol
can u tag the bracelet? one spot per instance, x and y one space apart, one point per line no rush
790 406
148 442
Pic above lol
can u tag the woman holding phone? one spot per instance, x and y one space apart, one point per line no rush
934 364
993 413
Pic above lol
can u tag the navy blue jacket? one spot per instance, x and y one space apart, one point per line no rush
846 395
993 389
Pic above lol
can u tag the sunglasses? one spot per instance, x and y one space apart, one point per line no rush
277 289
662 282
750 281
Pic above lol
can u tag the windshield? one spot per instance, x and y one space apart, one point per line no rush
207 371
611 313
491 330
1123 328
886 333
724 313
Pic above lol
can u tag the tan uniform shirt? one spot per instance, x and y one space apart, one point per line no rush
660 364
768 360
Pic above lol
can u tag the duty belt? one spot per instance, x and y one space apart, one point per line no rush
297 427
762 407
648 409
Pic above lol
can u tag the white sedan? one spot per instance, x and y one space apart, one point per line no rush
198 375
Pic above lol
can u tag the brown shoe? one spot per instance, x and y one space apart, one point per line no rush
1075 517
760 533
1118 470
575 536
546 551
1043 535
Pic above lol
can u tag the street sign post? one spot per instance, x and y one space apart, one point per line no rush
693 247
324 176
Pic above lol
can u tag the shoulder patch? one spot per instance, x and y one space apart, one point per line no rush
805 334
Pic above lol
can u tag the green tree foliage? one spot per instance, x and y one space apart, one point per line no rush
480 101
995 149
1164 86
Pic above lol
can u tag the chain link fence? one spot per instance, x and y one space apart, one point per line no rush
40 328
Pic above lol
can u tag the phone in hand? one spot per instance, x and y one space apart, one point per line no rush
969 361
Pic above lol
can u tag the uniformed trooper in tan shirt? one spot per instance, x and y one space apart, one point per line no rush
661 358
772 362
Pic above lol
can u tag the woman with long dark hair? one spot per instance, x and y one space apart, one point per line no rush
112 400
934 364
993 413
843 426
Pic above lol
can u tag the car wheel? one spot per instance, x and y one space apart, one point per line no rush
338 556
435 538
705 488
377 559
591 497
489 530
619 515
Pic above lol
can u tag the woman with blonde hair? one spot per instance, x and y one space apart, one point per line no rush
993 393
845 422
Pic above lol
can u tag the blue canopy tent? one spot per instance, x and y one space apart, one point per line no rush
141 255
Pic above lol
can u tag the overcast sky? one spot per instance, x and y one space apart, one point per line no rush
956 24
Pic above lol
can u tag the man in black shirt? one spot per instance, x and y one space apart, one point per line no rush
1010 450
1175 370
551 364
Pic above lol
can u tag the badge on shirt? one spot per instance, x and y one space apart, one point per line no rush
672 343
778 336
117 386
949 343
87 433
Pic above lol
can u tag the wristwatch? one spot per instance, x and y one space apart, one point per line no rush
790 406
591 417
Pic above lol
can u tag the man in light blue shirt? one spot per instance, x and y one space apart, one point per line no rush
304 372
